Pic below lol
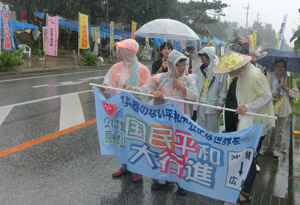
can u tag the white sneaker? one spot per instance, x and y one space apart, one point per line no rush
257 168
262 152
275 153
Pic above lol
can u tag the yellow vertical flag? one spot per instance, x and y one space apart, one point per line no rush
112 35
254 39
277 42
83 31
147 40
165 38
208 41
133 29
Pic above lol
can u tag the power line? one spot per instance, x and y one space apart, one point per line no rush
230 10
233 18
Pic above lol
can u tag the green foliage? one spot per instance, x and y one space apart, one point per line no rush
194 14
10 59
90 59
296 77
296 107
297 41
235 33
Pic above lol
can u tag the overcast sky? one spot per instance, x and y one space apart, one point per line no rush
267 11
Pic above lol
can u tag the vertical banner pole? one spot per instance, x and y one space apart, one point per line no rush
78 34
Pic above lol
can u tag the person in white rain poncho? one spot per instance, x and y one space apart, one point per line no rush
175 84
127 73
212 90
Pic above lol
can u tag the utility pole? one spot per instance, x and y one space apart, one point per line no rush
257 16
247 8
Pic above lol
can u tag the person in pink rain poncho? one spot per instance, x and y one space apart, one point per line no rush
125 74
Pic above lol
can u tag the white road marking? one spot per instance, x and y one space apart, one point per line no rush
39 86
71 112
70 82
46 76
4 111
42 99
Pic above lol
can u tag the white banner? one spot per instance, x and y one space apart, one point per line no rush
281 32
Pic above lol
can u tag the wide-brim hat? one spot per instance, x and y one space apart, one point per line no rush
231 61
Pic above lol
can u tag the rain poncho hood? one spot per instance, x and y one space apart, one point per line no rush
129 72
164 82
128 49
129 44
214 60
173 58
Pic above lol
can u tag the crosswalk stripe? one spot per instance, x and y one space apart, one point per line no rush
4 111
71 112
43 99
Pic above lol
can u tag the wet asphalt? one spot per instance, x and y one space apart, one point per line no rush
69 169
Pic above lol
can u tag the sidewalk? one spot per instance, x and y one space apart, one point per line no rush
58 63
295 164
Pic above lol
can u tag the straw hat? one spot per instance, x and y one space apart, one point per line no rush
231 61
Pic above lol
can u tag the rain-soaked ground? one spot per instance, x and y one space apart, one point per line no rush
70 170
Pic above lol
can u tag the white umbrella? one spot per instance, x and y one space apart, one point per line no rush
172 29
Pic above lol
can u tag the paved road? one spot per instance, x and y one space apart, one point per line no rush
44 161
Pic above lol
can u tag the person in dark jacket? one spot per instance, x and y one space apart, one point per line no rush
160 66
188 52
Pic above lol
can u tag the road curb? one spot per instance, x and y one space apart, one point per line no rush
294 175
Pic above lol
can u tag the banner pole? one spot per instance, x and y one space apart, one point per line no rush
0 28
45 60
78 34
183 101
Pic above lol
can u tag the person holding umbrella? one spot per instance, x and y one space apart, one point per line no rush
125 74
281 93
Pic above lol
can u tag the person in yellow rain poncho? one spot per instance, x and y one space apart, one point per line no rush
125 74
212 90
281 93
254 95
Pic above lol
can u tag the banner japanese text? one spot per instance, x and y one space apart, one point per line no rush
7 42
133 29
52 36
84 31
